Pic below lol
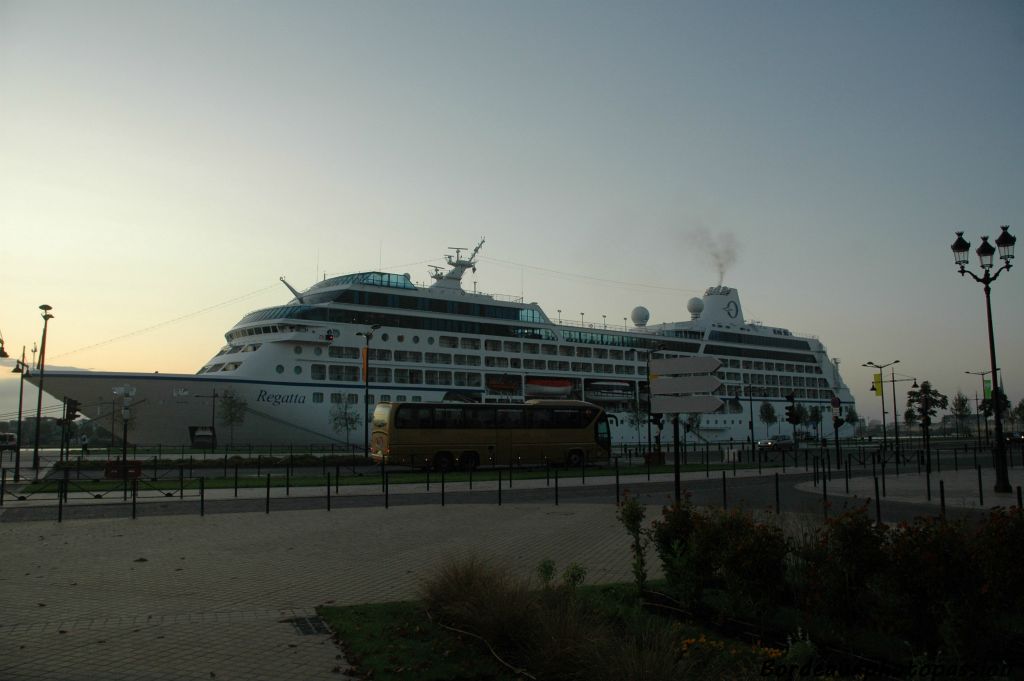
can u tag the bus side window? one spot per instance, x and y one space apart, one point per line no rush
542 417
567 418
509 417
449 417
479 417
404 418
424 416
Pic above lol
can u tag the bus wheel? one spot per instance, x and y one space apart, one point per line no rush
574 458
469 461
442 461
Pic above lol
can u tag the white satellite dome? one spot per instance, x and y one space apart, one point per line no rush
640 315
695 306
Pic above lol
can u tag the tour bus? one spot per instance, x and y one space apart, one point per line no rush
446 435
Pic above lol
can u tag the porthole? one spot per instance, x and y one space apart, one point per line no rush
318 351
298 370
280 368
401 338
384 337
415 339
298 349
430 341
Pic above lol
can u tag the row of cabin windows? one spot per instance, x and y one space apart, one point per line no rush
353 398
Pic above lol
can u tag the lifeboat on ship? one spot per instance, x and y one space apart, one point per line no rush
537 386
608 391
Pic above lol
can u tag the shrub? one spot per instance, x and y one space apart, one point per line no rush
476 596
631 514
839 564
931 592
996 548
673 535
751 562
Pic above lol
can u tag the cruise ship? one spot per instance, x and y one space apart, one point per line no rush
310 371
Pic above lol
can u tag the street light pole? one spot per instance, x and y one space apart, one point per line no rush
39 400
881 394
982 374
19 368
367 335
895 408
1005 243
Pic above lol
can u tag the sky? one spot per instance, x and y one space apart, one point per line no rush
162 164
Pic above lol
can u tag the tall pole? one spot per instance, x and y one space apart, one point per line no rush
881 395
895 415
39 400
986 252
984 417
22 369
367 335
999 451
977 417
750 405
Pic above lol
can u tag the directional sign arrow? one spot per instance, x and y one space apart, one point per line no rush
691 404
684 385
684 365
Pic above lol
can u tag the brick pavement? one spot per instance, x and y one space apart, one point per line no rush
184 597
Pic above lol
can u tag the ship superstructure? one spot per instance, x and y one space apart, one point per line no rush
289 371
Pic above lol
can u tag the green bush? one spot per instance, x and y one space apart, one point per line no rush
750 563
672 536
837 567
931 593
996 547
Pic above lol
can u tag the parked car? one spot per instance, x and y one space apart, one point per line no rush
778 443
8 441
1015 439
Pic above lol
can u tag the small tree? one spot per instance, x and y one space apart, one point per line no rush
800 411
927 402
852 417
232 410
344 419
910 418
1018 414
960 408
814 416
767 416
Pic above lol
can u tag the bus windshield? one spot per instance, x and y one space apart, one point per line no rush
448 435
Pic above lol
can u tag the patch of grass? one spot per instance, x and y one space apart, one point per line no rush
397 641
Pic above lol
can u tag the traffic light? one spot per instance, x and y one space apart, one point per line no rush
73 407
791 415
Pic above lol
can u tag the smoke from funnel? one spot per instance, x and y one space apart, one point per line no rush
721 247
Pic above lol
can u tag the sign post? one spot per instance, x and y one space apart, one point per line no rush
682 385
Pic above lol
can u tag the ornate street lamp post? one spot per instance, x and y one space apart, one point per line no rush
977 406
39 401
1004 242
367 335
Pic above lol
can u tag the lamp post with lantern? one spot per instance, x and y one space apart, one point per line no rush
39 400
881 394
367 335
1005 243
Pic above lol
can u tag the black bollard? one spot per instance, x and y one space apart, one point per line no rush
202 496
268 493
942 499
778 505
981 492
725 501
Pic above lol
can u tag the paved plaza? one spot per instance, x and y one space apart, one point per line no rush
228 596
185 597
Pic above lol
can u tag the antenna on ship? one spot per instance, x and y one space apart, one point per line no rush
452 279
